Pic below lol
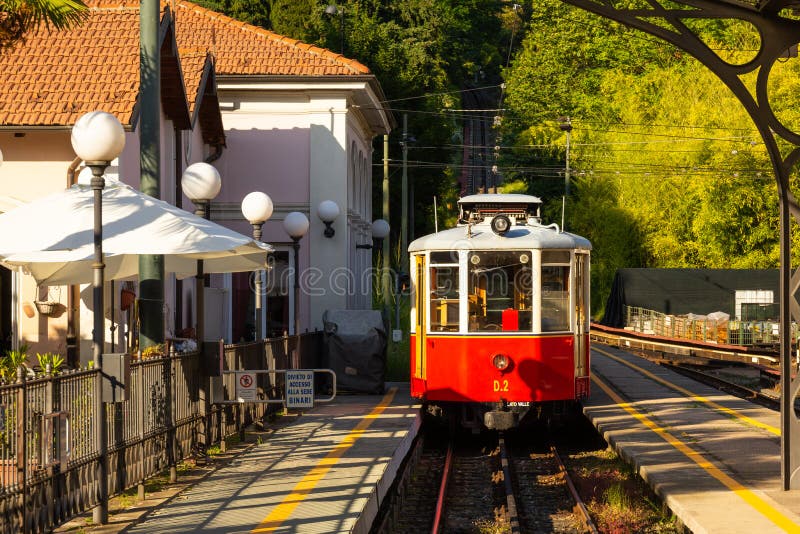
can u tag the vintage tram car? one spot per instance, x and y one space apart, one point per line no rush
500 315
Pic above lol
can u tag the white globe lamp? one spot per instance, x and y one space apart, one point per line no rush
98 136
380 229
201 182
327 211
295 224
257 207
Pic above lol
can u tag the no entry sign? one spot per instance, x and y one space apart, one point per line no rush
245 387
300 389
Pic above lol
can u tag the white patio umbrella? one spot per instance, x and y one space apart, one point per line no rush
52 238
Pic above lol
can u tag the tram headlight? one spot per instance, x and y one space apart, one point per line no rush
501 224
501 361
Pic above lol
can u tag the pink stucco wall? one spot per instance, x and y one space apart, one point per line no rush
274 161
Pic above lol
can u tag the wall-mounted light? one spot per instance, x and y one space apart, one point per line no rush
327 211
380 231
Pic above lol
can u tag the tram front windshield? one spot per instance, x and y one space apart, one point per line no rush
500 291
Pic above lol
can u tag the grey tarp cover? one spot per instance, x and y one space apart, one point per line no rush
355 348
682 291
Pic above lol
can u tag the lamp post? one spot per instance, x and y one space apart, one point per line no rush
98 138
296 225
201 184
332 11
380 231
257 208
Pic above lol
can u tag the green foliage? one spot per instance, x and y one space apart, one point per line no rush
55 361
667 167
22 16
153 351
11 361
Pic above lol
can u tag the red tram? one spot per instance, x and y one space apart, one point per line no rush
500 314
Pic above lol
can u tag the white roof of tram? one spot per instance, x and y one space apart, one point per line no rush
481 237
500 198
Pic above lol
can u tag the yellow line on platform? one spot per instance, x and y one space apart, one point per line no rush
282 512
747 495
699 398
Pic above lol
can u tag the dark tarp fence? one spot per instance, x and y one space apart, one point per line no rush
355 349
683 291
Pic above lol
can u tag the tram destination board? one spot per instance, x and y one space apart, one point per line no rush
300 389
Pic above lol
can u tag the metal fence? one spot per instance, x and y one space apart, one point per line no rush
49 441
742 333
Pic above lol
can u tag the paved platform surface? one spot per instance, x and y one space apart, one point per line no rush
713 458
326 471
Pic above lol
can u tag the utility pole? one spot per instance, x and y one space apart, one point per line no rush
151 267
386 282
566 126
404 204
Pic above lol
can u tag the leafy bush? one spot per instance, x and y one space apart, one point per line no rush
11 361
54 360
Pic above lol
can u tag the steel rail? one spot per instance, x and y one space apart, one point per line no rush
511 501
439 515
727 386
587 518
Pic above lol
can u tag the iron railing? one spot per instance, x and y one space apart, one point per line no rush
164 420
742 333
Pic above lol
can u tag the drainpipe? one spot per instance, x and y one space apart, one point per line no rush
178 160
73 357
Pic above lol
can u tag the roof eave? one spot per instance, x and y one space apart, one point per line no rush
380 119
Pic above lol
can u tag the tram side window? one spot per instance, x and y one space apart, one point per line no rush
555 295
500 291
444 299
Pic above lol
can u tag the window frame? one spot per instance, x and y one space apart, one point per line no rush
428 271
570 265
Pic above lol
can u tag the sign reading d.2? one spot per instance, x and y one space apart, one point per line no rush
300 389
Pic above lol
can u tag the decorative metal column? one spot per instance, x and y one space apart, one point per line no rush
151 267
778 34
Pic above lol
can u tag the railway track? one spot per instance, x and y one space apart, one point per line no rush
544 496
517 488
695 363
698 374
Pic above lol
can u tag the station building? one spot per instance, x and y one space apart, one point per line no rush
272 114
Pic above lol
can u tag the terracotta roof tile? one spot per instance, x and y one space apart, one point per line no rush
53 77
241 48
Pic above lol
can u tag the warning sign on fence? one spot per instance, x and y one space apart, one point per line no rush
245 387
299 389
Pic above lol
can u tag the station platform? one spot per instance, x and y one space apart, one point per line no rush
714 459
326 471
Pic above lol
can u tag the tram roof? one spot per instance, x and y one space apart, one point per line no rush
481 237
500 198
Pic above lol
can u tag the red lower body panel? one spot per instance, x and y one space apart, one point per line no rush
460 369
